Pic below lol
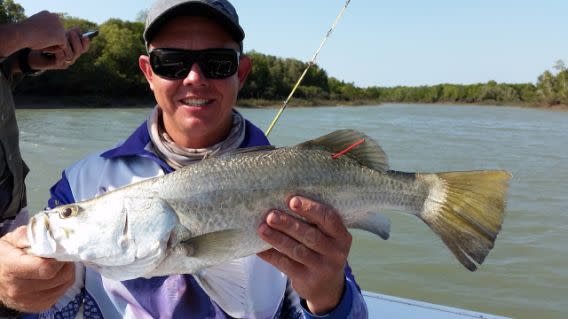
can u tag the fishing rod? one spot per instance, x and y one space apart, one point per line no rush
312 62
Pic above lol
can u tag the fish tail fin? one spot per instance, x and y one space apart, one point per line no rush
466 209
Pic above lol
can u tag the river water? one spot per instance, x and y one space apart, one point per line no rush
526 274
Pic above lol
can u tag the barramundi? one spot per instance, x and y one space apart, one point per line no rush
207 213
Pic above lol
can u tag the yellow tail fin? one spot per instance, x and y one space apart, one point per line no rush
466 210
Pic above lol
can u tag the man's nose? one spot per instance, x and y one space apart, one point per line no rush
195 76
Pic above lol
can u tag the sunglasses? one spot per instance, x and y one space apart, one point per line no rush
175 64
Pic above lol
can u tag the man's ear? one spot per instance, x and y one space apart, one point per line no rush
245 66
144 64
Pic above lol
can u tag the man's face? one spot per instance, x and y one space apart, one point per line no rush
196 111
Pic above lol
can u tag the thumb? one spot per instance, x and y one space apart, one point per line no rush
18 237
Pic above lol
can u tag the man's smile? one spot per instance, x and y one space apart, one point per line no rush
196 102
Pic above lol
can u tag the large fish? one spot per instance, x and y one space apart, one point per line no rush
207 213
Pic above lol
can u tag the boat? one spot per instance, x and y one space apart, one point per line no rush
391 307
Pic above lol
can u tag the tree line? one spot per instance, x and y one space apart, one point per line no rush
109 70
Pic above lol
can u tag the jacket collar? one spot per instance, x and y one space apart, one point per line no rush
138 144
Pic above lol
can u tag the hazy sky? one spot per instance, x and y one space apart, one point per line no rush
389 43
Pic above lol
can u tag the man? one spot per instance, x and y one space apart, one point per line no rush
27 283
195 69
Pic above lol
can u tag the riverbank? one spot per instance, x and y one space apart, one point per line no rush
80 102
62 102
55 102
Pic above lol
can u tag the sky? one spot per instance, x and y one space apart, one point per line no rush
388 43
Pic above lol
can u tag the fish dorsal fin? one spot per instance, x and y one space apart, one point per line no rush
369 153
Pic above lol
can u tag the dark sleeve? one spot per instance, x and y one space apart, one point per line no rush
351 305
5 187
6 68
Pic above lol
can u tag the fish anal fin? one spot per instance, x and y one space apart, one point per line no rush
369 153
375 223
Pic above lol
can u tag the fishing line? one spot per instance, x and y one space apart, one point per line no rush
312 62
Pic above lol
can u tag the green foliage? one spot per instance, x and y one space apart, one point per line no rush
11 12
273 78
110 70
553 89
120 46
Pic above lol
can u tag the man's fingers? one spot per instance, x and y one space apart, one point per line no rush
17 264
282 262
322 215
33 268
38 300
289 247
61 280
306 234
75 43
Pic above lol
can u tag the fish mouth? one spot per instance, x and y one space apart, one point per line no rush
40 236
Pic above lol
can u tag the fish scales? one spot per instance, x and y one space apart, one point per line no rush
237 186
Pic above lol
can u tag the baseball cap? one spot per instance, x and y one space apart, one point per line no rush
221 11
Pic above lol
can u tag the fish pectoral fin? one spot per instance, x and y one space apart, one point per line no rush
375 223
369 153
220 244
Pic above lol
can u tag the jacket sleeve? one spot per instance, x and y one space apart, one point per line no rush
351 306
6 65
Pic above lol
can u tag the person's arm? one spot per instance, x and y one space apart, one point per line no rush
313 254
40 31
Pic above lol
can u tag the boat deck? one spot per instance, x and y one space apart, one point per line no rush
389 307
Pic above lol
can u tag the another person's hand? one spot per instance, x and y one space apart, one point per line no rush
312 253
60 57
29 283
41 31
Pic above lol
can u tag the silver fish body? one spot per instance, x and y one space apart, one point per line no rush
207 213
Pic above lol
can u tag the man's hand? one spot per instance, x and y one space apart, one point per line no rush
29 283
312 253
60 57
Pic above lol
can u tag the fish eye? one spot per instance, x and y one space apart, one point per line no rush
68 212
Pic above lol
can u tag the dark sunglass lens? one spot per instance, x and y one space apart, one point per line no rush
219 64
170 64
